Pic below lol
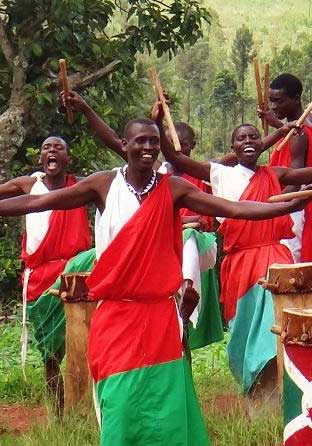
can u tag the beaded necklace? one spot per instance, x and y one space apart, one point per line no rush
148 187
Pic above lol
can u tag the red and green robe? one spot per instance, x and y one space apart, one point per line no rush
304 224
68 234
144 385
251 247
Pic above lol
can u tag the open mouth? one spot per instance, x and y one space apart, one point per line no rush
52 162
249 150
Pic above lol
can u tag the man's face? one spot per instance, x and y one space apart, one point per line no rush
281 104
187 143
247 145
54 156
142 144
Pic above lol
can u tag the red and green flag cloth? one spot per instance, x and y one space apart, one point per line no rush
208 327
251 247
297 394
283 158
46 314
144 385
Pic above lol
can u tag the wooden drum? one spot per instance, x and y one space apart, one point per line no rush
291 286
78 312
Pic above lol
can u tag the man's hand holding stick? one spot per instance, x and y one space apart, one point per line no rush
299 122
160 92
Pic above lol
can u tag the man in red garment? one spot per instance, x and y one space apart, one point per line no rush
255 245
50 240
285 103
135 347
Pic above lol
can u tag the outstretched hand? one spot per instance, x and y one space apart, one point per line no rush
306 196
288 126
74 100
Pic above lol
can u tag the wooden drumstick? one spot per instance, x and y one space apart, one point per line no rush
160 92
299 122
64 80
258 85
266 97
290 196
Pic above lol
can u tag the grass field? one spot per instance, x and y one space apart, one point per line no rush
230 420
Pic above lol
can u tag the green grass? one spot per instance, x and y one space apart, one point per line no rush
229 418
13 386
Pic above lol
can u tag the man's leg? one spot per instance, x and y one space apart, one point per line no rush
54 382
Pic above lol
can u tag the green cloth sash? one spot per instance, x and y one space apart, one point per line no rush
209 327
151 406
46 314
252 344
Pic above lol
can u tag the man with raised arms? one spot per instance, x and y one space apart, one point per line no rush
250 249
50 240
200 291
135 349
285 103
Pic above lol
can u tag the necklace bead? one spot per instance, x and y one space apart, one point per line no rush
147 188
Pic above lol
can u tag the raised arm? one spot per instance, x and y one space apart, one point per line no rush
281 132
288 176
15 187
106 134
81 193
186 195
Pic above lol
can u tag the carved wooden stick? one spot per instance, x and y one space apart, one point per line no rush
160 92
64 80
258 85
266 96
290 196
299 122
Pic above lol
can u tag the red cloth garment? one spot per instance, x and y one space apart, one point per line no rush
137 324
283 159
133 257
184 212
68 234
252 246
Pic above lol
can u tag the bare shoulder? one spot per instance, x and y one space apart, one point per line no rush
22 184
99 180
179 186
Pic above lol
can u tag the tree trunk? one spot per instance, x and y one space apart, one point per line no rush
12 135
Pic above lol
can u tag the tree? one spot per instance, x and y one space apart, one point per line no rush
80 31
242 54
224 97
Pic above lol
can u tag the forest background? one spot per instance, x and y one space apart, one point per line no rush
209 78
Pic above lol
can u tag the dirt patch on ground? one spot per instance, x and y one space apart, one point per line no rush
228 403
17 419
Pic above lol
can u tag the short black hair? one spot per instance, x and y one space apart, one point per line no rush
144 121
185 129
289 83
240 126
61 138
